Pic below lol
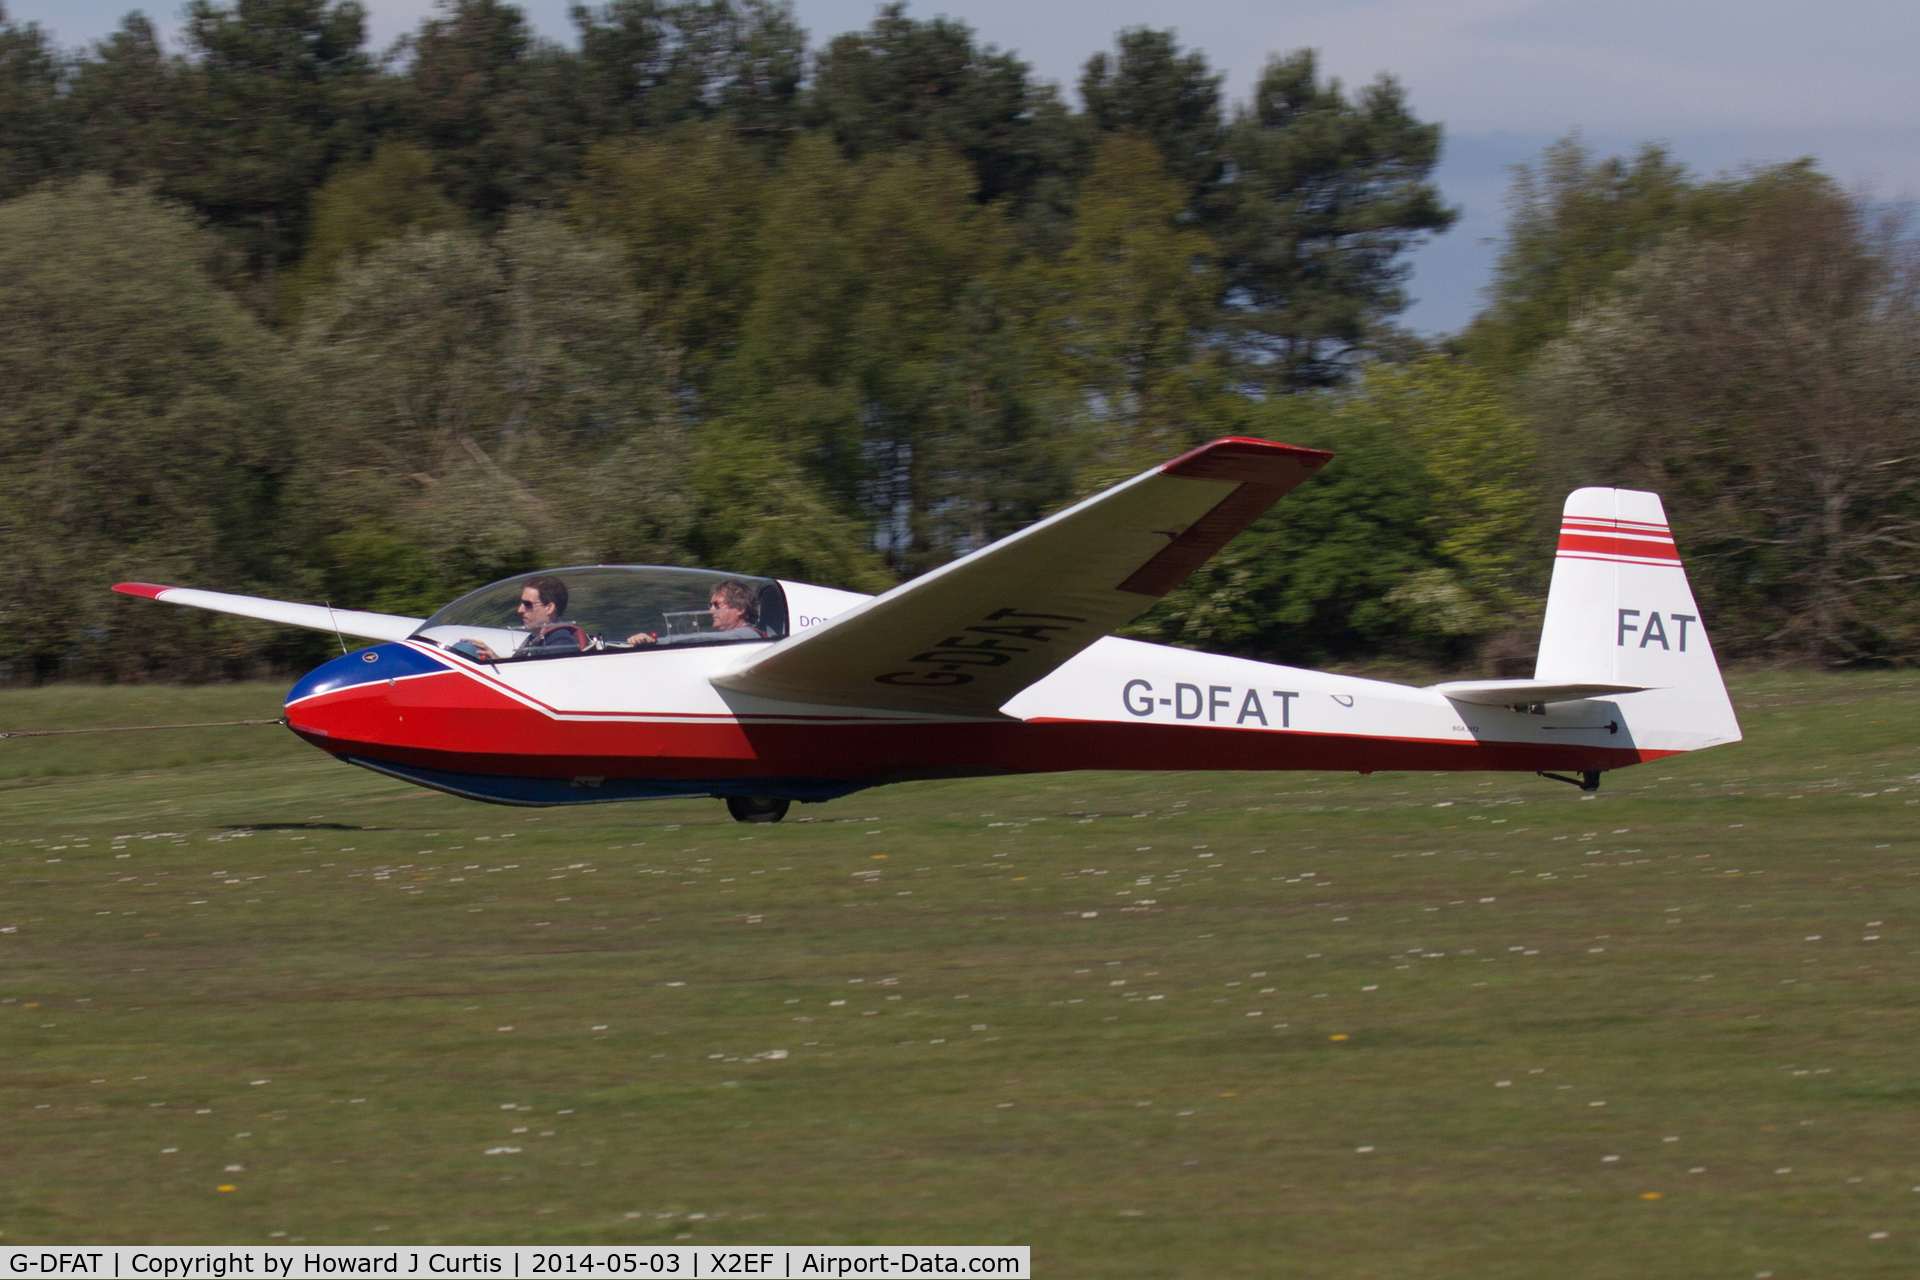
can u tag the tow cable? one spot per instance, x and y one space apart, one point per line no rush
134 728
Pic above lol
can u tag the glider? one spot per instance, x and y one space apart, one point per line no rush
596 683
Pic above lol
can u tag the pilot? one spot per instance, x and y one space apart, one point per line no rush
542 601
735 617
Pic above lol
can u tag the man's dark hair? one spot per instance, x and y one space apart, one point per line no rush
552 592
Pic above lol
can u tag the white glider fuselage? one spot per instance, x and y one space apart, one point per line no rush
636 725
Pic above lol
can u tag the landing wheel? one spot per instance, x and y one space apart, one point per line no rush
757 808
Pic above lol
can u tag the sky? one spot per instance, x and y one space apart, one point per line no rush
1722 83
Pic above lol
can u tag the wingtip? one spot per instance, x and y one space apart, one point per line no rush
148 589
1247 459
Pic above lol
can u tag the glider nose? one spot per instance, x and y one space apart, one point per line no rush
343 672
349 696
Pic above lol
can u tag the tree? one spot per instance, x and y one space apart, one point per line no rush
758 512
498 108
1325 197
767 62
364 205
491 405
276 93
1576 222
142 436
1477 459
1149 88
1126 319
1767 385
1411 542
122 104
33 141
649 64
686 210
882 349
909 84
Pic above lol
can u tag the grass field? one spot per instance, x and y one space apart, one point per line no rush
1214 1025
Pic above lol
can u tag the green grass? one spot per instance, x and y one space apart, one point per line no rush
229 950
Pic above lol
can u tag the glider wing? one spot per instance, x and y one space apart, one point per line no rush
316 617
966 637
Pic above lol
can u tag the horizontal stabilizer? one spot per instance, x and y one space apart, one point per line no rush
315 617
968 636
1513 693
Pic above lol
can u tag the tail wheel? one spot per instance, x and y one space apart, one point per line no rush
757 808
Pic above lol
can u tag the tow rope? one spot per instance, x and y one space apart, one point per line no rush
133 728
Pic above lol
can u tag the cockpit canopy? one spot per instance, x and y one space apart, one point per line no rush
611 604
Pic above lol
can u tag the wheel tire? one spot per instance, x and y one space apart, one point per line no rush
757 808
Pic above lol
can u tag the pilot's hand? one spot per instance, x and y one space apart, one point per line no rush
642 637
475 649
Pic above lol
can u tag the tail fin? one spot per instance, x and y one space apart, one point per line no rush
1620 612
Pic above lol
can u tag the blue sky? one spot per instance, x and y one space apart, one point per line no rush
1723 83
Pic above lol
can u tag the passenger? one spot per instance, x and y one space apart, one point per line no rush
542 602
736 616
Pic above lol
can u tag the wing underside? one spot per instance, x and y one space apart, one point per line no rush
967 637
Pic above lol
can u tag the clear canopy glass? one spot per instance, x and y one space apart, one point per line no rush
615 607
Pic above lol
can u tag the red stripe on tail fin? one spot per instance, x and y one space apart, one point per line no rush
1659 553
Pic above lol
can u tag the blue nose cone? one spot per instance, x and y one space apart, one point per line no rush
366 666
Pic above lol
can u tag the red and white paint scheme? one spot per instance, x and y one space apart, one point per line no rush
656 682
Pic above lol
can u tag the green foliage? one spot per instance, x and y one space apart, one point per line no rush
909 84
142 436
1408 542
495 404
361 206
686 210
1309 582
1577 222
494 104
1124 324
367 566
1478 455
122 104
276 93
1148 87
1328 194
882 348
646 65
1764 382
33 141
759 513
842 330
1311 198
848 329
